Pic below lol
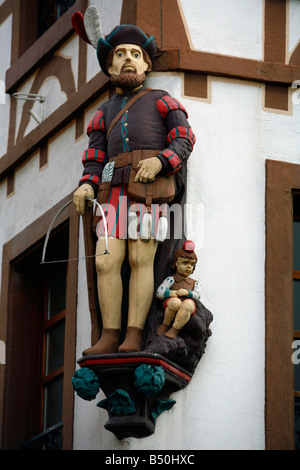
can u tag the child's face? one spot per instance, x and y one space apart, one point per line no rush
185 266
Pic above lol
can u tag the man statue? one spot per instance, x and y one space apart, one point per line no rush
156 122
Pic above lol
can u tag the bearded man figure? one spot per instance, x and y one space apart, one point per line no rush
155 125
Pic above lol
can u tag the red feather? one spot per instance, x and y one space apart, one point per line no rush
78 25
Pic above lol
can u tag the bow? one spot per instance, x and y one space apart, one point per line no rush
106 252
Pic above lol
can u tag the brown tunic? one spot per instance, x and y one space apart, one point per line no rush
180 283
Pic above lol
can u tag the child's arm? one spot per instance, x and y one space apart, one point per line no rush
195 294
163 291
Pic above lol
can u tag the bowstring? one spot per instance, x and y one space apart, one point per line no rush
75 259
106 252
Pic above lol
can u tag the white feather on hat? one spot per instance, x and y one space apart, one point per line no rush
92 25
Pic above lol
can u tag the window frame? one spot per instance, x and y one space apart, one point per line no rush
23 64
47 325
30 237
296 337
282 179
296 272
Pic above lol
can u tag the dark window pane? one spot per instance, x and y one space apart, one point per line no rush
297 423
296 244
57 292
50 11
53 402
296 288
297 377
55 347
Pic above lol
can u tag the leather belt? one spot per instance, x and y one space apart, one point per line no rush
133 157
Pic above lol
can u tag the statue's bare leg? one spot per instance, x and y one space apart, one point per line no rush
141 287
182 317
110 291
172 307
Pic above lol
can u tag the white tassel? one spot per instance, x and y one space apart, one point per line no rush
162 229
92 25
132 225
146 226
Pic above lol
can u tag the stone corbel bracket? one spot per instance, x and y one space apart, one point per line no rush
137 387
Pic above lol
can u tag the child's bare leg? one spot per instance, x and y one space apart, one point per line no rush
172 307
182 317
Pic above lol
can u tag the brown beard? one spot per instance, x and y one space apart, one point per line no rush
128 80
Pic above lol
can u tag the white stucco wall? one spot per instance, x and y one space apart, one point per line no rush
214 26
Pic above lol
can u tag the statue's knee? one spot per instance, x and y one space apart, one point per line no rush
106 264
138 260
135 262
111 262
141 254
102 265
174 303
189 306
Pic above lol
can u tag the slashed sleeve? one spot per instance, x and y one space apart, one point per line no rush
180 136
95 157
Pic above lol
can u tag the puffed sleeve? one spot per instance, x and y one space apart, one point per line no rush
195 294
180 136
95 157
163 291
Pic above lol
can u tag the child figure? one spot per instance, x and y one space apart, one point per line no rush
179 292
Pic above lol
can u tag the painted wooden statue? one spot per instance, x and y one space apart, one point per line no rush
154 136
179 292
135 166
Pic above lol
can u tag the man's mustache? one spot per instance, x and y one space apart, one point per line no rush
128 64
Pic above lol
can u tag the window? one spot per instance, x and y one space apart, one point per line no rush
37 17
50 11
37 33
296 298
53 331
282 421
42 306
38 313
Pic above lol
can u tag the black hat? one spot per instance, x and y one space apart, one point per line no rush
124 34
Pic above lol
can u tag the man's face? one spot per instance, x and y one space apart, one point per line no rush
128 58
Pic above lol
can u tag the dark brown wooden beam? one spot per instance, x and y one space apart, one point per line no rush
56 121
226 66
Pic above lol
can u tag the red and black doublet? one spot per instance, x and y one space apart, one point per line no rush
156 121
